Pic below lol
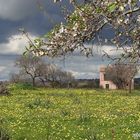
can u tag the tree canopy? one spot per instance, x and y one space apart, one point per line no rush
87 21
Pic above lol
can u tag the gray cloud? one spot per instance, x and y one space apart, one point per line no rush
15 14
16 9
80 66
14 45
26 13
7 66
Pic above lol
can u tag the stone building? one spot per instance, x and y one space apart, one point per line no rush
105 83
108 84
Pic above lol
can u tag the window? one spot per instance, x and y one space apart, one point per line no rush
106 77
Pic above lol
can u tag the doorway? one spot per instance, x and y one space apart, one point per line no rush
107 86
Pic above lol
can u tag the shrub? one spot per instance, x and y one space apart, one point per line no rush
23 86
3 89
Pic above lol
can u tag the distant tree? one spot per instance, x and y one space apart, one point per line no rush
4 89
65 78
35 69
15 77
121 74
55 75
30 65
20 77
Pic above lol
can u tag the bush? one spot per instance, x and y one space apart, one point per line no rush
3 89
23 86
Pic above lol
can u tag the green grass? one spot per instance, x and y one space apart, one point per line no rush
76 114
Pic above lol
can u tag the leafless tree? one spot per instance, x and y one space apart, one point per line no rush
121 74
14 77
55 75
65 77
20 77
30 65
34 68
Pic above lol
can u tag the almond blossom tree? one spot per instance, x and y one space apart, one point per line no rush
87 21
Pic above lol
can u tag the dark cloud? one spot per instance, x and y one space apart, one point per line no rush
38 17
16 10
7 66
26 13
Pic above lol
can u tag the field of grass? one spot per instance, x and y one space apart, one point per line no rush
70 114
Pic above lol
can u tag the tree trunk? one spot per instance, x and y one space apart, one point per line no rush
33 81
88 1
43 82
130 86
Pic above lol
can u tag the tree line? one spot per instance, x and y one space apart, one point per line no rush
36 71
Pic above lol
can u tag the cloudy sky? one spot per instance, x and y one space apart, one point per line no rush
15 14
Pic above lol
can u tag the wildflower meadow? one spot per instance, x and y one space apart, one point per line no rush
70 114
